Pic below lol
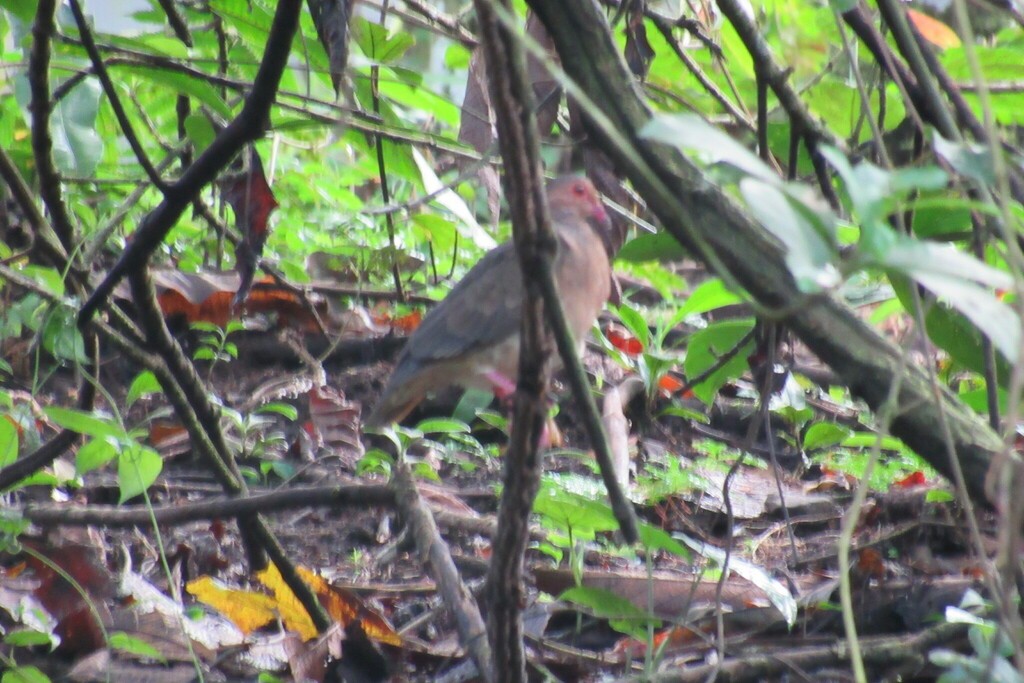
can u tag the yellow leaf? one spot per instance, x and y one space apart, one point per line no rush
246 610
934 31
293 614
344 607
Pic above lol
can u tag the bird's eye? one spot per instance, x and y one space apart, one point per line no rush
579 190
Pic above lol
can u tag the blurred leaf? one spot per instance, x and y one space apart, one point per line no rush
660 246
708 296
706 348
8 441
85 423
809 256
144 384
94 454
138 467
971 160
690 132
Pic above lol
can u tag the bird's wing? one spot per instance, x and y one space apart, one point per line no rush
482 310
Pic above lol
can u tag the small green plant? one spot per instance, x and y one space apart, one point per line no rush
213 343
255 436
992 659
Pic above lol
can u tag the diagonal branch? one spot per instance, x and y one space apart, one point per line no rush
247 127
698 213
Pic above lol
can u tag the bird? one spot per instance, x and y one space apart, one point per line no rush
471 339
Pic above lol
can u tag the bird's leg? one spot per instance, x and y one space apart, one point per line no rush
504 389
502 386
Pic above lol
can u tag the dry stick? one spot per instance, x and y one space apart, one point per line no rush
435 555
693 67
44 239
193 406
115 101
40 107
879 652
513 104
354 495
245 128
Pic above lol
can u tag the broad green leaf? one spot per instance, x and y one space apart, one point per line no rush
447 198
824 434
285 410
997 320
138 467
85 423
144 384
689 132
94 454
24 674
200 131
27 637
23 9
708 296
123 642
582 512
809 256
660 246
180 83
706 348
77 147
8 441
635 323
376 44
971 160
656 539
621 614
442 426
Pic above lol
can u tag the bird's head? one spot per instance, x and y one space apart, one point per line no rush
573 198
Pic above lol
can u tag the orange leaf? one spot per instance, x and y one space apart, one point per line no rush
246 610
911 480
934 31
625 342
407 323
345 607
670 383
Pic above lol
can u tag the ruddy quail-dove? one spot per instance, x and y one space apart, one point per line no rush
472 337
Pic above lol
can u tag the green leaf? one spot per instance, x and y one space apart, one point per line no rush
939 496
705 349
23 9
655 539
708 296
94 454
286 410
690 132
809 255
27 637
660 246
144 384
621 614
451 201
85 423
968 159
136 646
375 43
179 83
200 131
138 467
635 323
443 426
77 147
824 434
8 441
24 674
581 513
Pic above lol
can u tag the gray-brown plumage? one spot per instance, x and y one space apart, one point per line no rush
472 337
